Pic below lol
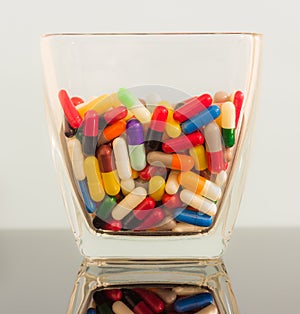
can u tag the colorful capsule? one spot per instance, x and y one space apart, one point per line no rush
135 174
68 130
106 206
183 142
77 101
199 155
113 225
171 201
151 299
198 202
210 309
119 307
149 171
104 102
228 123
168 296
192 217
172 184
122 158
90 133
111 116
156 216
135 141
135 302
237 98
91 311
171 161
89 105
214 148
77 159
128 203
111 132
90 205
221 178
69 109
156 129
193 302
199 185
183 291
173 128
203 118
132 103
127 186
184 227
144 208
108 170
113 294
221 97
156 188
92 171
192 107
167 224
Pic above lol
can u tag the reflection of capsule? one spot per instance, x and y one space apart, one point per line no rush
151 299
203 118
156 188
111 132
199 155
192 217
135 141
192 107
135 302
198 202
119 307
69 109
228 123
92 171
156 128
90 133
172 184
128 203
183 142
171 161
131 102
199 185
108 170
173 128
122 158
214 150
193 302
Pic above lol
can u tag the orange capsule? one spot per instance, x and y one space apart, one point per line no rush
171 161
111 132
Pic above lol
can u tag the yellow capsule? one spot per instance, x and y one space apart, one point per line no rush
127 186
172 184
135 174
156 188
111 182
219 119
83 108
92 172
173 128
100 105
199 155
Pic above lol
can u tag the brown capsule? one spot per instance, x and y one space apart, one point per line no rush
105 158
221 97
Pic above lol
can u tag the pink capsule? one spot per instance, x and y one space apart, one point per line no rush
192 107
113 294
183 142
154 218
151 299
115 114
113 225
172 201
149 171
237 99
144 208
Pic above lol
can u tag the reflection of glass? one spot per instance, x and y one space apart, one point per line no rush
199 279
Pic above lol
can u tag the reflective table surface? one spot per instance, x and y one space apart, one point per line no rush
39 268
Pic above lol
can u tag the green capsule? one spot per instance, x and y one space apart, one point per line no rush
228 137
106 207
79 133
104 309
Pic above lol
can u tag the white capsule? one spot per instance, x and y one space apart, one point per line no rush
122 158
211 309
198 202
184 291
168 296
77 159
120 308
184 227
228 115
127 186
132 200
221 178
166 224
172 184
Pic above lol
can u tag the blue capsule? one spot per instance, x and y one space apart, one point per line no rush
203 118
194 302
193 218
89 203
91 311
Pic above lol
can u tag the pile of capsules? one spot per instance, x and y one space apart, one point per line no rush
151 167
150 300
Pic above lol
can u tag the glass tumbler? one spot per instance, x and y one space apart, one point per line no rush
150 136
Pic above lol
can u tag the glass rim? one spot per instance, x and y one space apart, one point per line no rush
254 34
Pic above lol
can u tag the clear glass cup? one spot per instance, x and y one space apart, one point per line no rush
169 281
150 119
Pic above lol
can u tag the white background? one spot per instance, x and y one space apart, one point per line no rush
29 193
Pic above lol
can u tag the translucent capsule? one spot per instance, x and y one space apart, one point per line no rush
106 206
200 185
102 104
221 178
173 128
132 103
183 291
203 118
127 186
228 123
122 158
77 159
111 132
156 216
92 171
119 307
89 105
192 217
90 133
128 203
113 115
171 161
149 171
172 184
144 208
198 202
156 188
171 201
151 299
199 155
194 302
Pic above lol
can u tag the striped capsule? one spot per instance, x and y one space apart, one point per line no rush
198 202
171 161
192 217
194 302
200 185
228 123
199 155
156 188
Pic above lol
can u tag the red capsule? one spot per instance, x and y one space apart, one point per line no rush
113 294
143 209
91 119
115 114
149 171
158 120
183 142
171 201
105 157
192 107
69 109
151 299
238 100
156 216
113 225
77 101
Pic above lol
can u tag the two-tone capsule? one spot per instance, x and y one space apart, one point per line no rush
171 161
192 217
228 123
111 132
90 133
